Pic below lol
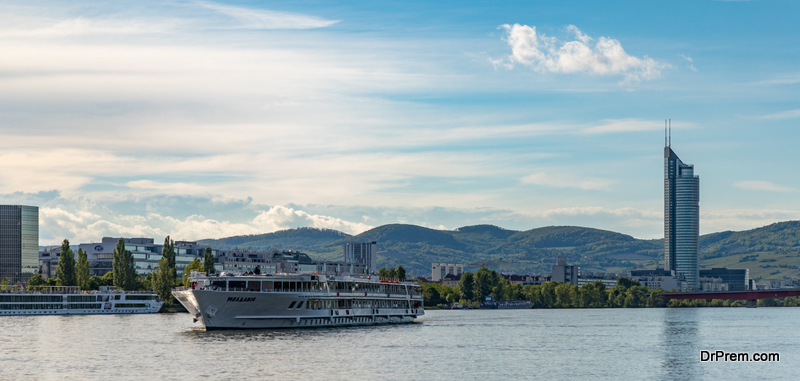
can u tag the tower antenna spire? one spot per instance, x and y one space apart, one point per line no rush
670 133
665 132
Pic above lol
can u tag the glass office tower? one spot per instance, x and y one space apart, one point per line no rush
19 242
681 218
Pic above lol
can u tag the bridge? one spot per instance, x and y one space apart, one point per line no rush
750 296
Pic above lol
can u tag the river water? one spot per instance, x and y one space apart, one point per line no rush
443 345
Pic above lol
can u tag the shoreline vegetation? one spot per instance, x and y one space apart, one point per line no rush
627 293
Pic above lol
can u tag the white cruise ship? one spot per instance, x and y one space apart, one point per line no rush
56 300
236 301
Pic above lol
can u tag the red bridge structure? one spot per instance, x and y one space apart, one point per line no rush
750 296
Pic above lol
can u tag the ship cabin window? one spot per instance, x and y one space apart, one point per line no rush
236 285
267 286
254 285
221 284
292 305
300 305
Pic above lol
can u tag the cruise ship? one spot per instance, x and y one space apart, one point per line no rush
63 300
293 300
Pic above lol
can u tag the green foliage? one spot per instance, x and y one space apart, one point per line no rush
467 285
82 276
208 261
435 294
194 265
66 265
36 280
401 273
161 280
168 252
124 269
484 283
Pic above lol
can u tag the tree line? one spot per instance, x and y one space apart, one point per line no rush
123 275
473 288
627 293
392 274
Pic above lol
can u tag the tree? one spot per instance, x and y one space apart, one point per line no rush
82 276
467 285
484 282
168 252
208 261
401 273
161 280
124 267
194 265
36 280
382 273
66 265
392 274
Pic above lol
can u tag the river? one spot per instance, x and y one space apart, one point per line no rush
484 345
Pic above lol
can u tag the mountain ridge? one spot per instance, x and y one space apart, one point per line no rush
777 246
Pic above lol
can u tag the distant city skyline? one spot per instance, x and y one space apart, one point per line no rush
207 119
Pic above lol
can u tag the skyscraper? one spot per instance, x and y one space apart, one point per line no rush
681 218
19 242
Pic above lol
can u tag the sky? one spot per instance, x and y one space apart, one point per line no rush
208 119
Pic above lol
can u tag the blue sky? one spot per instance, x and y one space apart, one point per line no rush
204 119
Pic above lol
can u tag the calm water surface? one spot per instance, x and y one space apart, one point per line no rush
444 345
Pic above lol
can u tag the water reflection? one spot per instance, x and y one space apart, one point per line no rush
308 333
680 344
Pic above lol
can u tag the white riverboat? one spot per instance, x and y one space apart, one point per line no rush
62 300
241 301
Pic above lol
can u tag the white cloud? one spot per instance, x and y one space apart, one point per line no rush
264 19
88 220
562 181
547 54
762 186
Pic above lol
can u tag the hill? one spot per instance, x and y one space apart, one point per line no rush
771 252
295 239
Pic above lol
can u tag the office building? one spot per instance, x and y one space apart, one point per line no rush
440 270
736 279
681 218
19 242
562 272
362 252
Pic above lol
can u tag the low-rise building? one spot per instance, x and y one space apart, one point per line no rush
451 280
440 270
659 278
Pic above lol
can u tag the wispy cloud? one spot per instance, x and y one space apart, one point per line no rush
690 61
787 79
789 114
564 181
761 186
549 55
249 18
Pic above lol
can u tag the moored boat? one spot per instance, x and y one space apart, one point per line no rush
67 300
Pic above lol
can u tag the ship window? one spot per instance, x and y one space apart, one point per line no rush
220 283
300 305
292 305
254 285
267 286
236 285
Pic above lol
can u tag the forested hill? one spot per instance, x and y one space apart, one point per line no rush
774 249
302 239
